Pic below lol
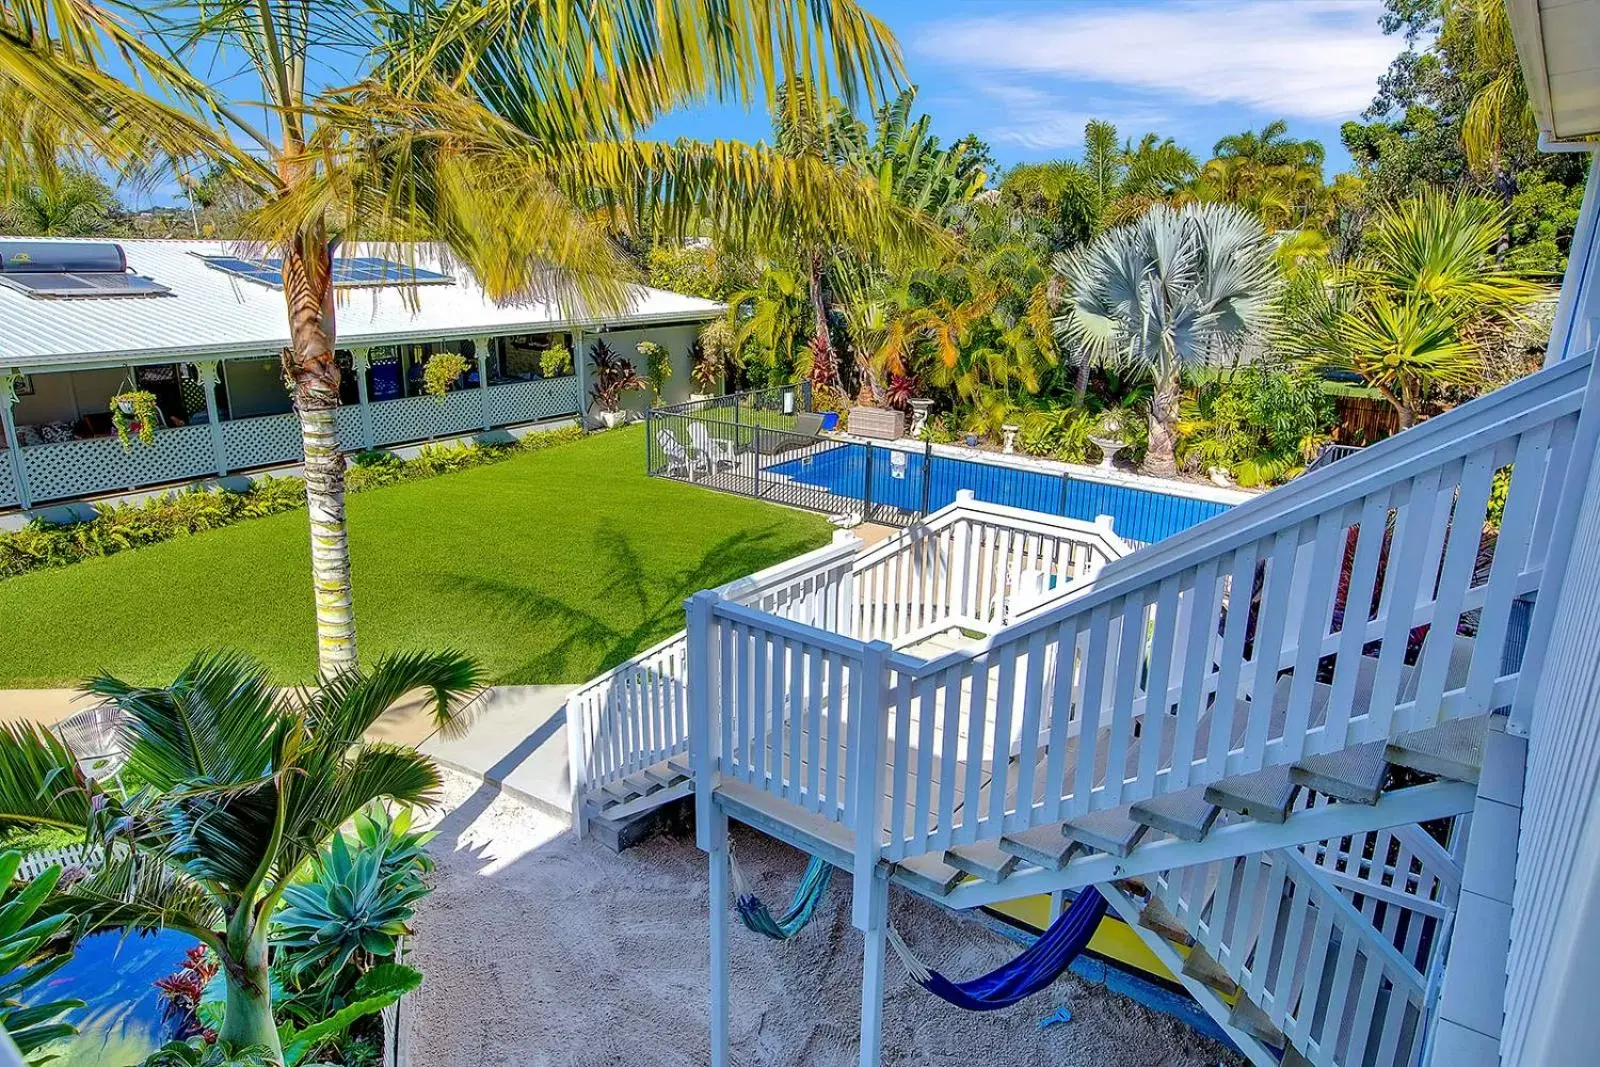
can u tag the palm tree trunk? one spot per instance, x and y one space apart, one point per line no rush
247 1010
310 366
1161 456
819 310
1080 388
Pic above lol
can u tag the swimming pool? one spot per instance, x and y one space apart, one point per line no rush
898 482
123 1020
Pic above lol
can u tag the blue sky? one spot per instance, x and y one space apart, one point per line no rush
1026 76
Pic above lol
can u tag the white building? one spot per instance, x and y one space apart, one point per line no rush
205 333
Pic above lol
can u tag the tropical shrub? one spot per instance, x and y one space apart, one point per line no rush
1262 425
241 785
29 955
1059 433
657 366
613 376
555 361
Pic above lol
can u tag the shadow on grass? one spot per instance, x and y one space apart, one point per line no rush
643 602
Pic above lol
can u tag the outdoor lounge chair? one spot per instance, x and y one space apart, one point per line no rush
717 452
807 431
678 457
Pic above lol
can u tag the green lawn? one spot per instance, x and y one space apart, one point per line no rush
548 567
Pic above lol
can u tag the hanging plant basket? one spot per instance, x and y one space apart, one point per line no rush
134 415
442 371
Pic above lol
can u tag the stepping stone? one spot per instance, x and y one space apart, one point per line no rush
1200 966
1105 831
1355 774
1155 916
1043 846
928 874
1264 795
1186 815
1453 750
982 860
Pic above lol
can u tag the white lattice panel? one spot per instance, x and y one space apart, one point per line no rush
418 418
350 438
80 468
543 398
8 480
262 441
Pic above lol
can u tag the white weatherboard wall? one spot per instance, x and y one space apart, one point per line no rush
677 340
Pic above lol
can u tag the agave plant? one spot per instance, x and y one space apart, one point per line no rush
244 785
26 961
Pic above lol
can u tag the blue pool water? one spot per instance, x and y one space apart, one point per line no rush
1141 515
124 1021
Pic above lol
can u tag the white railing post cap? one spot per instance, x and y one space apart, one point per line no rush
965 496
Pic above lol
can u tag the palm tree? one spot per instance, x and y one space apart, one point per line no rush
1405 314
241 786
1177 289
506 131
70 203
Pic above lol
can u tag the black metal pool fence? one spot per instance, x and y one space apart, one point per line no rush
768 444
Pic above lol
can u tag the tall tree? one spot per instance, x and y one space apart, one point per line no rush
1174 290
504 129
65 203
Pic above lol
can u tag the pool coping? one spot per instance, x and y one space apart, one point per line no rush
1015 460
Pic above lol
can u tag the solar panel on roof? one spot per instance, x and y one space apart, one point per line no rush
348 272
42 286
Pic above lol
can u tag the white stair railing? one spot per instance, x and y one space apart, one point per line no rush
636 714
1361 573
1341 993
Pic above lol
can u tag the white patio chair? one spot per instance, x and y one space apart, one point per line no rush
678 457
717 452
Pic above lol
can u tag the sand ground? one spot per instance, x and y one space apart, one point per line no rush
542 951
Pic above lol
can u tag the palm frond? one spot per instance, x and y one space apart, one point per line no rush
342 708
40 784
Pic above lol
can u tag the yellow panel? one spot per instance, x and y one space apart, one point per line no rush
1113 939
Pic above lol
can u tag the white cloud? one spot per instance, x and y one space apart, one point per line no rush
1313 59
1037 119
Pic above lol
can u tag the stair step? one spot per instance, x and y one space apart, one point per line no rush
1155 916
663 775
656 798
1356 774
1200 966
1255 1022
680 765
1106 831
1264 795
1453 750
1186 815
983 859
621 791
1044 846
929 873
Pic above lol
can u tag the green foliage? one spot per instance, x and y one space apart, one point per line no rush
120 527
699 269
374 991
1262 425
66 203
613 376
555 361
443 370
658 366
1059 433
134 414
197 1053
27 960
355 902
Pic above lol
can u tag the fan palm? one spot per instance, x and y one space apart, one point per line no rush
503 130
242 786
1178 288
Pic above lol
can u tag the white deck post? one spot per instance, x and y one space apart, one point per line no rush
360 363
206 372
873 707
480 349
872 961
716 829
8 397
702 723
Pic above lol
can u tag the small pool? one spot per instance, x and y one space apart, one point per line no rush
1138 514
124 1021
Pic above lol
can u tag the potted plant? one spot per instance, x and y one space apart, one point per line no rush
658 367
134 414
1109 437
613 376
441 372
556 361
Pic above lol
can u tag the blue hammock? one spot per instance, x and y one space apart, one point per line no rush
1040 964
754 914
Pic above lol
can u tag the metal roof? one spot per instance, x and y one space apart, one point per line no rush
1558 42
211 314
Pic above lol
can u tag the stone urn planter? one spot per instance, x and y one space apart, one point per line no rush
1109 447
612 419
1010 432
920 410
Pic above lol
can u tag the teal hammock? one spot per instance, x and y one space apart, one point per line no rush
755 915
